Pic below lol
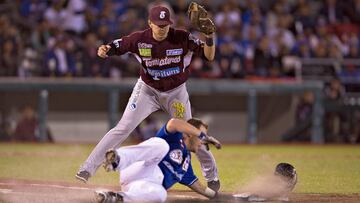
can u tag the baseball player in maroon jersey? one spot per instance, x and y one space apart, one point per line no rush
165 54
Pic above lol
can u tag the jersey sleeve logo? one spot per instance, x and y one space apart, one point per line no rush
176 156
117 43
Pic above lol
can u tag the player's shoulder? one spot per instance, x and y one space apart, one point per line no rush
141 34
180 31
178 35
184 35
163 133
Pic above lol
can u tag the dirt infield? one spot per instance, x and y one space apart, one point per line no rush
23 191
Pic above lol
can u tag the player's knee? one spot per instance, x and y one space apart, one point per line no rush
159 195
162 147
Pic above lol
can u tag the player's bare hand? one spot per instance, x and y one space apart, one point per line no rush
102 51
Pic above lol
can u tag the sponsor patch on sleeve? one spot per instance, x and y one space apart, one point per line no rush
174 52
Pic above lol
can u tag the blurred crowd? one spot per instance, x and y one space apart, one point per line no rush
341 123
59 38
22 125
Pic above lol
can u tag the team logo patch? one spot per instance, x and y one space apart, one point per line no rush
134 96
132 107
162 14
179 108
176 156
174 52
145 52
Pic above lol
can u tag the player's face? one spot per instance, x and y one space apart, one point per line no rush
159 32
192 143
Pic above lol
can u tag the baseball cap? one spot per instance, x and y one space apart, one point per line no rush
160 15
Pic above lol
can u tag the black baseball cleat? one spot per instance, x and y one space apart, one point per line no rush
83 176
112 160
108 197
214 185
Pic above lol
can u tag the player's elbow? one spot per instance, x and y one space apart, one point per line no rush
172 125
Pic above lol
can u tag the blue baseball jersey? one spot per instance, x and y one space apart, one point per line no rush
176 165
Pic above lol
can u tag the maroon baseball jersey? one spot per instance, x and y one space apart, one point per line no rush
164 63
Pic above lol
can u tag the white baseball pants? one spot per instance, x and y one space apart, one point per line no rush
140 176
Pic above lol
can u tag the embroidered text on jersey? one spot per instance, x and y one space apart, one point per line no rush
162 62
144 45
157 74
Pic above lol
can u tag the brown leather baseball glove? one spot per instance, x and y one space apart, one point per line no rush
199 19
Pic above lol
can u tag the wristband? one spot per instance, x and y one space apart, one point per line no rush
209 41
202 136
209 192
111 51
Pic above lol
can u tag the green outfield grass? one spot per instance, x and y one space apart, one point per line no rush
321 169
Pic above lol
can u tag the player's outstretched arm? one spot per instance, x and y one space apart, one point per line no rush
203 190
209 47
178 125
201 21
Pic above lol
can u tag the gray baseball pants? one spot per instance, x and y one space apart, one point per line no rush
143 101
